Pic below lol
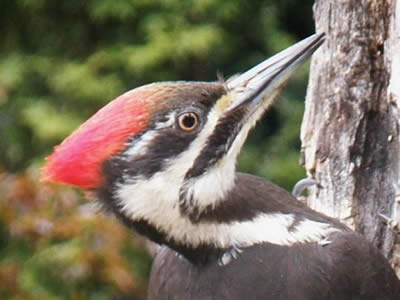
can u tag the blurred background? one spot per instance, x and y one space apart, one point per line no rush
60 61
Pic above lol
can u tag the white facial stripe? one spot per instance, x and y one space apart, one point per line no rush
211 187
139 147
163 187
160 210
208 189
155 199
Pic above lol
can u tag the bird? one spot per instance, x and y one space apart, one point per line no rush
162 159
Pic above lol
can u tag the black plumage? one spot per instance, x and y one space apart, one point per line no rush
223 235
346 268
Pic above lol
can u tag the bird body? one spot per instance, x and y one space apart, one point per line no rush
338 265
162 159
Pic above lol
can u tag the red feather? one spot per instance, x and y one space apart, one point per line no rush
79 158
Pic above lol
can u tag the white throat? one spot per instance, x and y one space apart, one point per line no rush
156 199
150 201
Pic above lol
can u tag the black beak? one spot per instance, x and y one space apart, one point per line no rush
262 83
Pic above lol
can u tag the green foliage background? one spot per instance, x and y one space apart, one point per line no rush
60 61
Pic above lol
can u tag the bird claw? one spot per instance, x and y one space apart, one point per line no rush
391 223
325 242
229 255
302 185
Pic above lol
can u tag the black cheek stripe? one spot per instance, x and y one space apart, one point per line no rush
217 145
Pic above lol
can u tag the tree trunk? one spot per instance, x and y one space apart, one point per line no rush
350 131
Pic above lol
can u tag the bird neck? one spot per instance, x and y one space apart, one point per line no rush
253 211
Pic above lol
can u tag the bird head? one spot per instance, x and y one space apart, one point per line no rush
165 152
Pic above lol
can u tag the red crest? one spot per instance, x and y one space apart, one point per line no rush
79 158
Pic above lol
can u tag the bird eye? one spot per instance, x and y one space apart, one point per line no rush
188 121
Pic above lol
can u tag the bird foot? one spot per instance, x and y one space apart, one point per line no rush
391 223
325 242
229 255
302 185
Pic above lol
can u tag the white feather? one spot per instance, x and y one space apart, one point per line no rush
155 199
158 206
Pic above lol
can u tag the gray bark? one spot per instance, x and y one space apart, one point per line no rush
350 131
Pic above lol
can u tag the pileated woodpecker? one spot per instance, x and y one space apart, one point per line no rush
162 158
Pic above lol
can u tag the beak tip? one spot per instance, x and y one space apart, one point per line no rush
274 71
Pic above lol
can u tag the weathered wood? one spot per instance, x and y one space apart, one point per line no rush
350 130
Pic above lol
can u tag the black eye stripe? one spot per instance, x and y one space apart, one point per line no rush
168 142
217 144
